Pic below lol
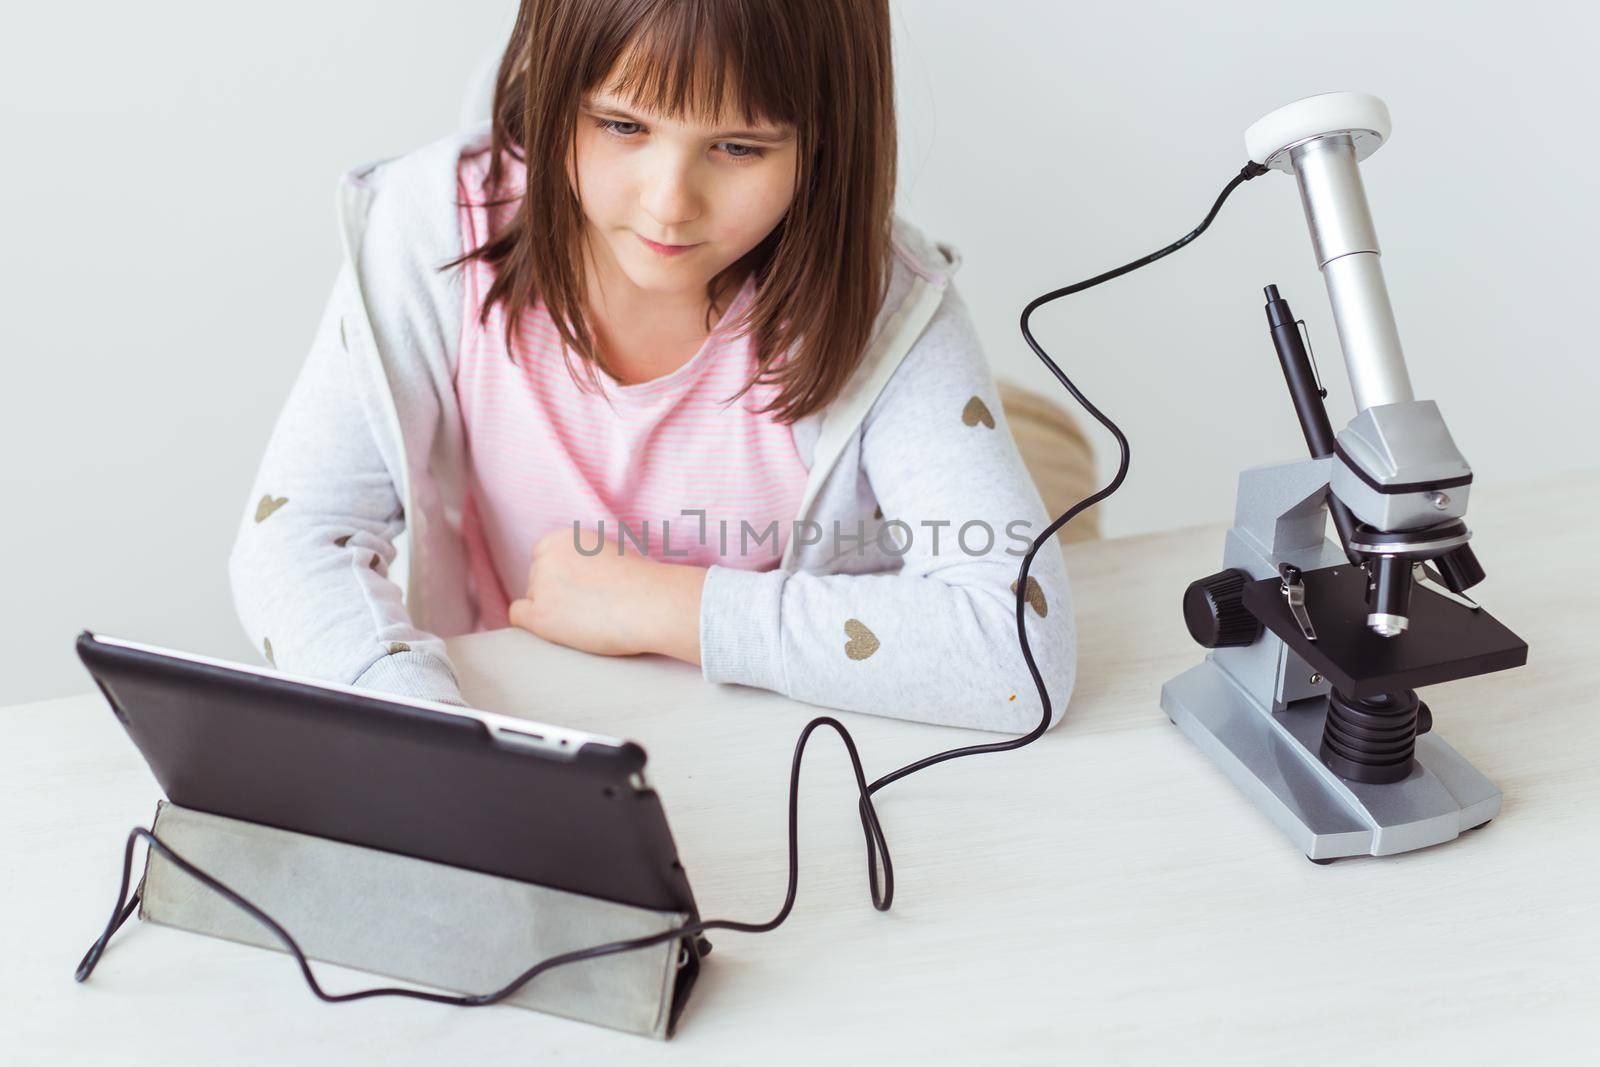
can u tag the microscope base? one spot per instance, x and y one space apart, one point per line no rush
1272 758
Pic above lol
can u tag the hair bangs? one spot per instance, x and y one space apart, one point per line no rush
695 60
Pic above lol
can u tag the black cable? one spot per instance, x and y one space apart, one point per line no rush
876 844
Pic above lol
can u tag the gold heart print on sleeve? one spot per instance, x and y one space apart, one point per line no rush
1034 595
977 411
268 505
863 642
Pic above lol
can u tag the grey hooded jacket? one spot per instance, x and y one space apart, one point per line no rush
896 592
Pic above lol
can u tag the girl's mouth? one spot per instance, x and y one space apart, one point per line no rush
665 250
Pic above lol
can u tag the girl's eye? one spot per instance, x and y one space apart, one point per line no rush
618 127
625 129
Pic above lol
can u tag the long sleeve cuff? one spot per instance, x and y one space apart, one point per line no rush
741 627
421 675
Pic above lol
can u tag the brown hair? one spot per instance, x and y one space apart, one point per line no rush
823 66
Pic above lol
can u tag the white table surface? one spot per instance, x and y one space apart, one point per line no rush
1103 895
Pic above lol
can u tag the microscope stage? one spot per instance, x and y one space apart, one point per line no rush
1445 640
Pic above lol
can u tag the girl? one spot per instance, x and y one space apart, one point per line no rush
647 363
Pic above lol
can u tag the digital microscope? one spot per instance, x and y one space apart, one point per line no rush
1307 698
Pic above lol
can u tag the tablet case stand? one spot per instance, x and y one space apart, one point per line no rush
420 921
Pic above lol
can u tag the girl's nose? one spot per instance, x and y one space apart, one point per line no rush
670 197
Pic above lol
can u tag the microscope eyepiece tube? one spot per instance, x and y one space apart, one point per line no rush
1346 247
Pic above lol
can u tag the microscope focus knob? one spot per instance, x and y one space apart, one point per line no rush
1213 608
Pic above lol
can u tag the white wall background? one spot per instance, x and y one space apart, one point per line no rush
167 188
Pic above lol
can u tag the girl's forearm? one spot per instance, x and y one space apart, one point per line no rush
671 608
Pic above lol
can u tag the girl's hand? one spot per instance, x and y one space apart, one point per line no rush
610 604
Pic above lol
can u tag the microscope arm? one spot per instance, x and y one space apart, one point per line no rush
1395 468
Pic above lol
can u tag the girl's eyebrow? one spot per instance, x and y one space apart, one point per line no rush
743 135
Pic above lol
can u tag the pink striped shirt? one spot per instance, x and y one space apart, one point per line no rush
543 454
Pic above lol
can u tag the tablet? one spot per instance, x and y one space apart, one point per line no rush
492 793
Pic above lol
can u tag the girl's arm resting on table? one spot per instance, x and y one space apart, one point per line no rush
937 640
308 568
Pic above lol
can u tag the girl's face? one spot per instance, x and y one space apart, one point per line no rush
675 202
